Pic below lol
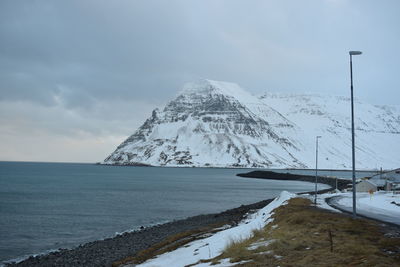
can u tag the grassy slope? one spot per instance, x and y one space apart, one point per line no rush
300 235
303 235
171 243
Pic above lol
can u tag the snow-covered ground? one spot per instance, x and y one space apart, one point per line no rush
214 245
380 205
321 200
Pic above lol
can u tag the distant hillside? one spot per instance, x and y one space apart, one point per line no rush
219 124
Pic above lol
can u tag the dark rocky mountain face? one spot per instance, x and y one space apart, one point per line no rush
218 124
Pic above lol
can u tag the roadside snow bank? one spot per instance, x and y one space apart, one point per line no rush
377 203
214 245
382 201
381 206
321 200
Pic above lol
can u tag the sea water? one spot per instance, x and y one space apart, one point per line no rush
46 206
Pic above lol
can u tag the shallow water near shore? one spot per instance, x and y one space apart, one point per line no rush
45 206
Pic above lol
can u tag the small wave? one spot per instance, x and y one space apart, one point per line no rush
139 228
27 256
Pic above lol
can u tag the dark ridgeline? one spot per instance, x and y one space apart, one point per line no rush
341 183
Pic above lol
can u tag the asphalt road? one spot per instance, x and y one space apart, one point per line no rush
375 214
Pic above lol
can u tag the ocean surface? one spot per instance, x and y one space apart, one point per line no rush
46 206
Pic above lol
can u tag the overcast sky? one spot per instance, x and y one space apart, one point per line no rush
78 77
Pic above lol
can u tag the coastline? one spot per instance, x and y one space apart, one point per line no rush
105 252
135 164
110 250
270 175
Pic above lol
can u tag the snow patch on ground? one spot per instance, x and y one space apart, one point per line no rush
379 205
377 202
222 263
321 200
213 246
264 243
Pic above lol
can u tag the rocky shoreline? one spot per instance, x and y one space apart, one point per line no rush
105 252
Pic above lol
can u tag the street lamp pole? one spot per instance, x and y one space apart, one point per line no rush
316 169
353 53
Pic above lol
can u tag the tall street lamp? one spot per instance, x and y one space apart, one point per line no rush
316 170
353 53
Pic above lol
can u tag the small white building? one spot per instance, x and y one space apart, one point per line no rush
387 180
366 186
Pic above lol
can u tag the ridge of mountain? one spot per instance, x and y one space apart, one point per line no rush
218 124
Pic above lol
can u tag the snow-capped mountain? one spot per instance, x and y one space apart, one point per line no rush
219 124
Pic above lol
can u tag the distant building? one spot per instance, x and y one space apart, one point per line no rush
388 181
366 186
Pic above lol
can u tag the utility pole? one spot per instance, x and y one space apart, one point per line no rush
316 170
336 183
353 53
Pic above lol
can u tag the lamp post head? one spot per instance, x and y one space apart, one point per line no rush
355 53
318 136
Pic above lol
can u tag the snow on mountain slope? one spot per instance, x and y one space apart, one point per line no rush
377 129
219 124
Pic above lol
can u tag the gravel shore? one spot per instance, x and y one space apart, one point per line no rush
105 252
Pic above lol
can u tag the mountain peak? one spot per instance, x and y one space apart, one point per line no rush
207 86
214 123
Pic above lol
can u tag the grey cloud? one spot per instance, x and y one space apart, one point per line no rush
104 53
109 63
136 49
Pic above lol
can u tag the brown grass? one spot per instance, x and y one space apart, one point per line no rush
308 236
169 244
302 235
